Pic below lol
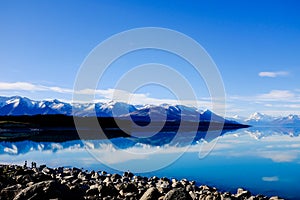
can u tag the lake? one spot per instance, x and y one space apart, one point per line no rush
262 160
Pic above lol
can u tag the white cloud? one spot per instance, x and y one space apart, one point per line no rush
58 89
270 179
273 74
274 102
292 105
277 156
277 95
21 86
25 86
273 95
268 105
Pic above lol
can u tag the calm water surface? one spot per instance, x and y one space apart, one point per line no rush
263 160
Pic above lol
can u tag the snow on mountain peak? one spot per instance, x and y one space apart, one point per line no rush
293 117
259 119
15 102
257 116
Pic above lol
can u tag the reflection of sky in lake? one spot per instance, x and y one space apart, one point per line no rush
262 160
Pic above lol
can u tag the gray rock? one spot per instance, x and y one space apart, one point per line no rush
209 197
10 192
176 184
23 179
67 171
189 188
242 194
193 195
276 198
128 187
202 197
43 190
129 195
177 194
76 181
184 182
76 191
107 180
95 176
261 197
151 194
81 175
108 190
39 177
115 176
163 186
204 187
46 170
92 191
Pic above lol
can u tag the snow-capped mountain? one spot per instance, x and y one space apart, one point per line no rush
165 111
290 120
17 105
260 119
113 108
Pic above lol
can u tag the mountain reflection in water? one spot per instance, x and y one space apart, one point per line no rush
263 160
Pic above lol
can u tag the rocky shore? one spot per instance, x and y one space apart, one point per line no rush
22 183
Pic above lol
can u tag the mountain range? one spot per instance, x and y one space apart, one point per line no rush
260 119
16 105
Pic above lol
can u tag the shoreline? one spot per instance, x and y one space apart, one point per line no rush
41 182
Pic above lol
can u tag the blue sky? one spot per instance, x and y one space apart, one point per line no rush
255 44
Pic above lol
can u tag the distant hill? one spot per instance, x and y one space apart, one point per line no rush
260 119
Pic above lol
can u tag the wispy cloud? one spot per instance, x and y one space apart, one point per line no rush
25 86
278 156
21 86
273 95
277 95
274 102
270 179
273 74
283 105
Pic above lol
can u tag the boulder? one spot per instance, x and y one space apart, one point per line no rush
10 192
92 191
151 194
115 176
242 194
129 187
163 186
43 190
275 198
108 190
177 194
23 179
